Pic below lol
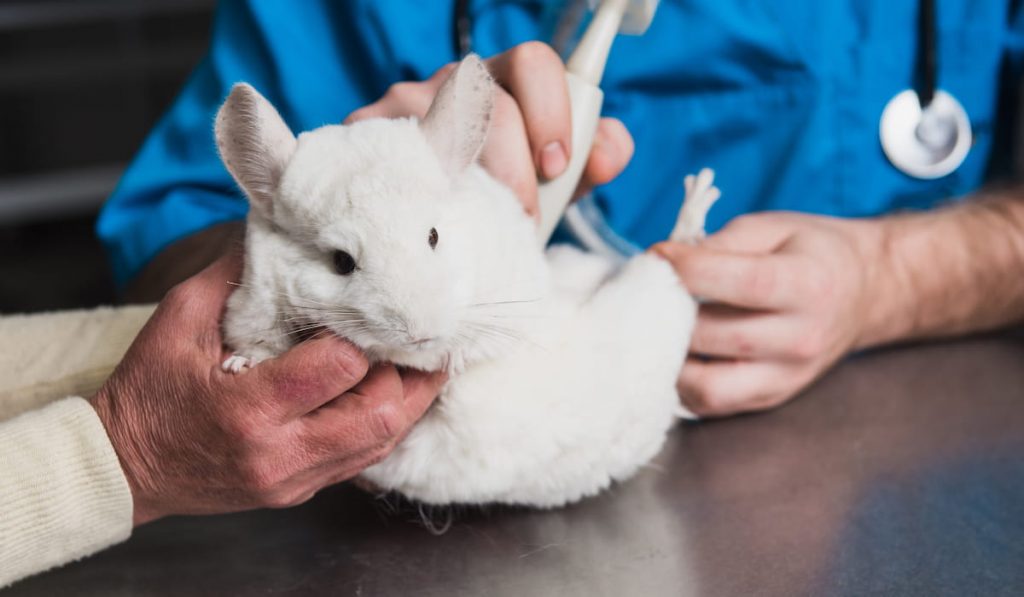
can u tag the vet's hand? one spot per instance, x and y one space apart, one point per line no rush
195 440
531 133
788 296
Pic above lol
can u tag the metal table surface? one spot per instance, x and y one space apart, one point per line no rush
901 472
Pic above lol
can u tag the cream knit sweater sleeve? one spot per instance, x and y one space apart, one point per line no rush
62 492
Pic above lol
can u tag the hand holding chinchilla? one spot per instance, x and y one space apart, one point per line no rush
386 232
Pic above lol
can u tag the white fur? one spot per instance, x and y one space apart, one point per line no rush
563 366
584 402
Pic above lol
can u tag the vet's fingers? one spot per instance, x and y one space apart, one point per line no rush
612 150
768 282
401 99
506 153
727 332
534 75
721 388
752 233
308 376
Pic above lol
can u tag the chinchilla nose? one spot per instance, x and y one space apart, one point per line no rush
427 319
421 304
426 326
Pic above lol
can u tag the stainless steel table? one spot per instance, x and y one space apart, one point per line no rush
902 472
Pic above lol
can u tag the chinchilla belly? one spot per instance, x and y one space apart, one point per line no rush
584 401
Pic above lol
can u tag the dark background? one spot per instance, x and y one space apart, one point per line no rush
81 83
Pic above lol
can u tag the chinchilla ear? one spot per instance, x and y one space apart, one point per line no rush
254 143
456 123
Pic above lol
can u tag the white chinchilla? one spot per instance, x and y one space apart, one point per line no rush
563 365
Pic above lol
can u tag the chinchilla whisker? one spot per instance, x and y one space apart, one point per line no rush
496 332
261 334
336 310
510 339
334 323
304 328
491 325
323 313
346 326
305 303
308 302
316 308
512 302
321 334
512 316
349 326
271 334
505 334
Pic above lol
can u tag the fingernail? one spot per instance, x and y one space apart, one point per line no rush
553 160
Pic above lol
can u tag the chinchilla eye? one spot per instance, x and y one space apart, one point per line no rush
432 238
344 264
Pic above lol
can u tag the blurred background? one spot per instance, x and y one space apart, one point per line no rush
81 83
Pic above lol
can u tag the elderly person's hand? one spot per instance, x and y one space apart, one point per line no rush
195 440
531 132
787 295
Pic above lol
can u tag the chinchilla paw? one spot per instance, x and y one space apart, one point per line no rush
237 363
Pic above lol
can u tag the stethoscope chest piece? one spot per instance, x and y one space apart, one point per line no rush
928 142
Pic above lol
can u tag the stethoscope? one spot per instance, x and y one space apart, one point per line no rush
925 132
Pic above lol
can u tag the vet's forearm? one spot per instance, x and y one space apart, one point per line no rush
182 260
949 272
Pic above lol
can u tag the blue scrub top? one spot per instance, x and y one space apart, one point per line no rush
782 99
